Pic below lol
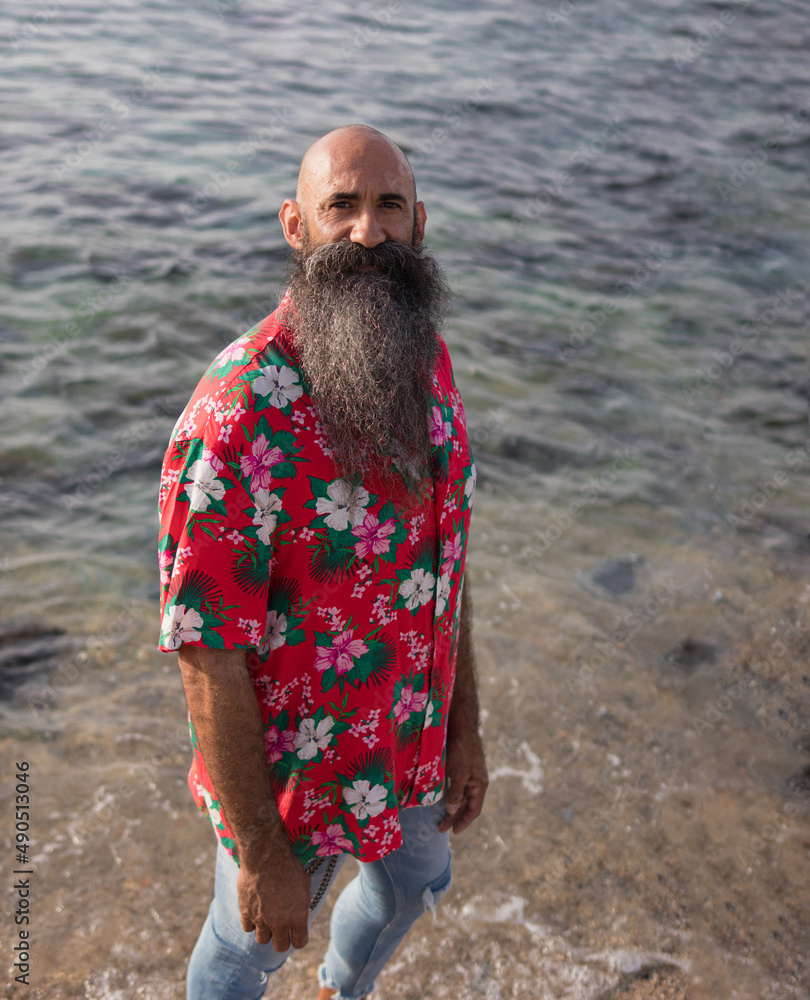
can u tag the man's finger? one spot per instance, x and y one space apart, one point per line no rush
474 803
462 820
281 939
455 792
453 805
300 937
262 935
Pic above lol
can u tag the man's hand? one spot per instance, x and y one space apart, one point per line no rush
272 885
466 771
274 895
464 765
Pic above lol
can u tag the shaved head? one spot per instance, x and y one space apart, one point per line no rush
346 147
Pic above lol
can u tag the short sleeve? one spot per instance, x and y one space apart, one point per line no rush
216 542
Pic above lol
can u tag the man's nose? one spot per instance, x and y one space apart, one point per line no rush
367 231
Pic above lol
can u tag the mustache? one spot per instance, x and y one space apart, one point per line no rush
333 261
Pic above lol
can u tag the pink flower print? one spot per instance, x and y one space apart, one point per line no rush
165 560
231 354
213 459
258 464
409 701
374 537
330 840
451 553
438 427
341 653
276 743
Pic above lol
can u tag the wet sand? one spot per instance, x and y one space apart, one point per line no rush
645 834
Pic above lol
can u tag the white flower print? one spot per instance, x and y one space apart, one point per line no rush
344 506
469 486
442 593
213 812
205 486
311 739
365 799
428 716
430 798
418 589
267 506
280 384
273 632
180 625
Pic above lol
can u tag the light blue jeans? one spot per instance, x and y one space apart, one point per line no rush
370 917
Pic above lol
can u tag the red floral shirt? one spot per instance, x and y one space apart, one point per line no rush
348 609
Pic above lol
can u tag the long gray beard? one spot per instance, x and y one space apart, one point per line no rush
368 343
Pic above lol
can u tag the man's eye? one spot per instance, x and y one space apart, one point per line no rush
391 204
340 204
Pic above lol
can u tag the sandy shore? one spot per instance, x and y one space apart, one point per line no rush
645 834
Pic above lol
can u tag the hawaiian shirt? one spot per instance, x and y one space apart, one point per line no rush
348 607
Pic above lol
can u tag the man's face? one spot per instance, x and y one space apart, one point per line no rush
354 188
368 303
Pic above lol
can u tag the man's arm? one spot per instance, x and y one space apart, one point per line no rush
273 887
465 765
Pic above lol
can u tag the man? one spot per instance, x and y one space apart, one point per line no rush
315 504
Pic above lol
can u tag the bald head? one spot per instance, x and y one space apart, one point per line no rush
354 184
352 146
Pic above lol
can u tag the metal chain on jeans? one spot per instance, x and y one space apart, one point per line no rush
312 868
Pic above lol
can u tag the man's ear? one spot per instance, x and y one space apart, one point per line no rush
420 217
292 222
